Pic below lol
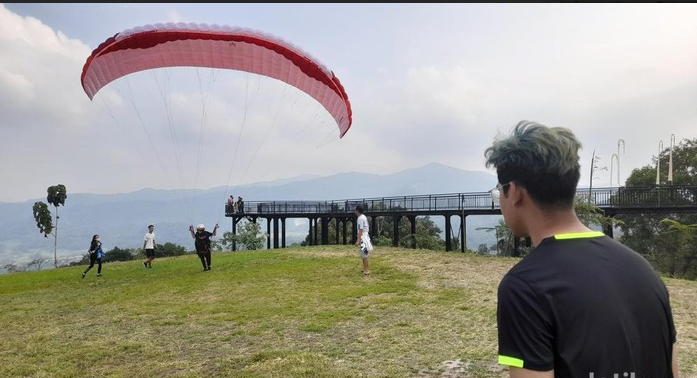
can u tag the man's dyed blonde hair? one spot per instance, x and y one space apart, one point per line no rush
542 159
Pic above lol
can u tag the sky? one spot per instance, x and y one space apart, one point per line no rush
427 83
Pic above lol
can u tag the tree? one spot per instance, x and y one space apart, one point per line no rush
504 238
225 242
249 237
56 197
37 263
594 166
427 234
42 215
588 213
11 268
118 254
647 233
683 257
170 249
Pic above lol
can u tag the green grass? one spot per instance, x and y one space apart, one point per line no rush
296 312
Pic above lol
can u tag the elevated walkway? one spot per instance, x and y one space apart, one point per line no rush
613 201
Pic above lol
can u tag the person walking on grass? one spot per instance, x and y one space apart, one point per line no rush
149 247
96 255
363 238
580 304
202 244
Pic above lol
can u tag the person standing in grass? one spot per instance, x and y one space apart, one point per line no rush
96 255
202 244
149 246
363 238
580 304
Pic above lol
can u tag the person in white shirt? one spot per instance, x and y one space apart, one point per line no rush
149 246
363 238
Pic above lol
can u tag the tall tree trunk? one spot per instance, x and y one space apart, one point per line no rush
55 242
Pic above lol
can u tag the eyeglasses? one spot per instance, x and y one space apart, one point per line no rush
496 192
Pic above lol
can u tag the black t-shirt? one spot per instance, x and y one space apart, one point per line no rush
586 306
203 241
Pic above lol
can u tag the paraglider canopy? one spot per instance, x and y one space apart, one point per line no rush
214 46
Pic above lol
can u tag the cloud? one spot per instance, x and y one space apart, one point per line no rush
33 71
427 84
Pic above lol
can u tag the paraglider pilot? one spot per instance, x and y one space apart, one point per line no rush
203 243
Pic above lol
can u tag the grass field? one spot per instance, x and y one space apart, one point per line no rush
296 312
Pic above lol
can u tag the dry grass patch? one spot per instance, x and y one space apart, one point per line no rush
296 312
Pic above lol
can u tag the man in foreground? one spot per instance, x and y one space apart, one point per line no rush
580 305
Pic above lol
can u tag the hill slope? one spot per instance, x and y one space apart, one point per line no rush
297 312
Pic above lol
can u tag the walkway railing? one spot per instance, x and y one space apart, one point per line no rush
658 198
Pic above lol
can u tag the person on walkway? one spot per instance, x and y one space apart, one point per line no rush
363 238
580 304
96 255
231 207
149 247
240 205
202 243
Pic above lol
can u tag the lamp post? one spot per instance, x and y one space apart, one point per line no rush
594 166
670 160
612 164
619 142
658 163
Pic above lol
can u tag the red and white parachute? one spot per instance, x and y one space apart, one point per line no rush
213 46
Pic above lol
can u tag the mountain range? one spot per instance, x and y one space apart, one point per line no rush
122 219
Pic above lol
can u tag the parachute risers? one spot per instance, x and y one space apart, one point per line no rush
213 46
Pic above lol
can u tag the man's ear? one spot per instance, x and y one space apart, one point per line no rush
516 193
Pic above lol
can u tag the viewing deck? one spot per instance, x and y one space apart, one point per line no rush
613 201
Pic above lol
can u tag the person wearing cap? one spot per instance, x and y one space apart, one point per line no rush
202 242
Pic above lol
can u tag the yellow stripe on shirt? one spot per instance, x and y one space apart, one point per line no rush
511 361
579 235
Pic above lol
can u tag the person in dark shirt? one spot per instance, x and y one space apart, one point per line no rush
96 255
202 243
240 205
580 305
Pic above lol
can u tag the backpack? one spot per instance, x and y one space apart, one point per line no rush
99 252
203 241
